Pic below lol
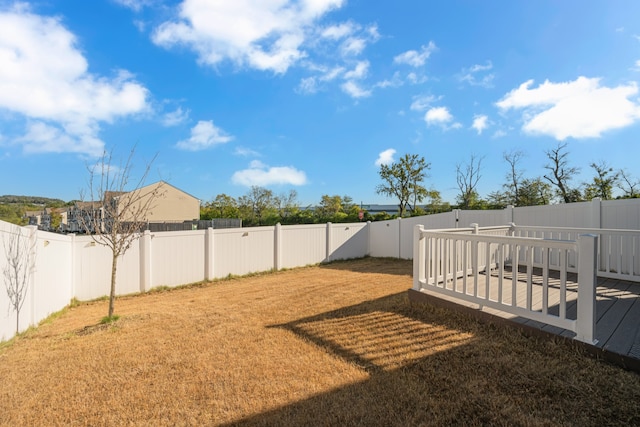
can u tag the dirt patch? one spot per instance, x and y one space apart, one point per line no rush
337 344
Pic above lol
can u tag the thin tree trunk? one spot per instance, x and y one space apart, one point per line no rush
112 294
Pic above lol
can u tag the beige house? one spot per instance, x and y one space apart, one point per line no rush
160 202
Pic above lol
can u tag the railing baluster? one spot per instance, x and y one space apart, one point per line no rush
454 279
529 258
500 271
465 263
564 254
545 279
514 275
487 271
445 262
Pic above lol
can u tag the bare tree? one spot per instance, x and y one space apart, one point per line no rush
467 177
628 184
20 252
514 176
561 173
118 210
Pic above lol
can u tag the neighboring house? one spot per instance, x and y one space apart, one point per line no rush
170 205
43 219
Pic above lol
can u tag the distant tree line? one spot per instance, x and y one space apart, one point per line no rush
405 181
261 206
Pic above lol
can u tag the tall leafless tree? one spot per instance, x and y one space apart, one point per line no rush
561 173
467 177
118 210
628 184
514 176
20 252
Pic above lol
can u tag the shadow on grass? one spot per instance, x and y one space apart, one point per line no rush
401 267
431 366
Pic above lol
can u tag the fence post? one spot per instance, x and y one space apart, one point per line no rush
209 273
587 281
329 243
277 249
509 209
474 254
419 260
145 261
399 238
31 265
72 265
596 207
368 238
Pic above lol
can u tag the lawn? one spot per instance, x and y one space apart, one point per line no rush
337 344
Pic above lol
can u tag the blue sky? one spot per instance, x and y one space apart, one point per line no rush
312 95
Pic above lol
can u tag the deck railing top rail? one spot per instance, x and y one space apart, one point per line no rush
576 230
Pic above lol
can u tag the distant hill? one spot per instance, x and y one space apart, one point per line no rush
31 200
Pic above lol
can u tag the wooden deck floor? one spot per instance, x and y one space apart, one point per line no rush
617 310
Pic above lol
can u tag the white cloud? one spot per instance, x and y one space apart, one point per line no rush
499 134
415 79
478 75
396 81
637 66
204 135
480 123
385 157
136 5
332 74
176 117
353 46
440 116
421 103
246 152
266 35
337 32
354 90
577 109
44 138
372 30
262 175
359 72
45 79
307 86
415 58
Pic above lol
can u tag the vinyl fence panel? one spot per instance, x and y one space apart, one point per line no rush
302 245
53 280
385 239
177 257
243 251
349 240
621 214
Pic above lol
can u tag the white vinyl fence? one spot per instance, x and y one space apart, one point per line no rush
72 266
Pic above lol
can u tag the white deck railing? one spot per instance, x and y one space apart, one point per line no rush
483 266
618 250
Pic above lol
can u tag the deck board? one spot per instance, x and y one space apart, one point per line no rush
627 334
617 307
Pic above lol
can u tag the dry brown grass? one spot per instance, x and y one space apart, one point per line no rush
332 345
